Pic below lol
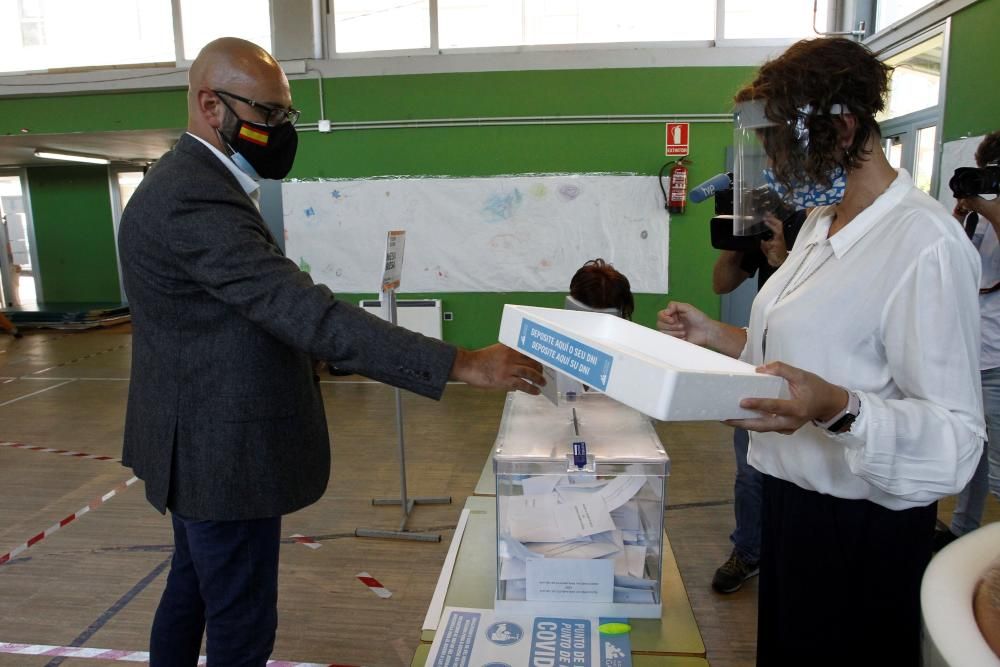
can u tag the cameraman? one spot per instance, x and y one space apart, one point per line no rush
735 266
731 269
970 502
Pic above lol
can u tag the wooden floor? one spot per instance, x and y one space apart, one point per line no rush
96 581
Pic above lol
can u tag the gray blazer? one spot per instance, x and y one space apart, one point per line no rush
225 419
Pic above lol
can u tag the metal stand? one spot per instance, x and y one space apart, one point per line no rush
405 503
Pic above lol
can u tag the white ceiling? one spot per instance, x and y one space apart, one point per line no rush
135 146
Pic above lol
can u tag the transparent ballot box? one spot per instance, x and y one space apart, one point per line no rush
581 488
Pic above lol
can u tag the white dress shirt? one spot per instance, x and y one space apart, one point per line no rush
888 308
249 185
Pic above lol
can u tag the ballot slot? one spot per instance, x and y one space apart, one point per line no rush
579 531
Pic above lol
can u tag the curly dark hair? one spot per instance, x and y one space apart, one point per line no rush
818 73
989 149
599 285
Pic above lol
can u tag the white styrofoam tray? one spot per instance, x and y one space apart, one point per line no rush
659 375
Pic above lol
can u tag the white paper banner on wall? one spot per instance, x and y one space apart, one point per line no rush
498 234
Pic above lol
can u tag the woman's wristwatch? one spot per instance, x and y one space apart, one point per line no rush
843 420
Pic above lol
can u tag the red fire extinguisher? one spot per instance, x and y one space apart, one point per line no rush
677 192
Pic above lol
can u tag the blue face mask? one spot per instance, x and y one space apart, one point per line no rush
810 195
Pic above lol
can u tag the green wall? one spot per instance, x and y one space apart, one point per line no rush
465 151
972 103
485 151
71 208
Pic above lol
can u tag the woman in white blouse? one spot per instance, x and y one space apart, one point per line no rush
873 321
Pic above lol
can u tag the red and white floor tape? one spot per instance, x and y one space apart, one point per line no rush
60 452
373 585
306 541
114 655
93 504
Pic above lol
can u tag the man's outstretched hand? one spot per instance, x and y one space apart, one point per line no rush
498 367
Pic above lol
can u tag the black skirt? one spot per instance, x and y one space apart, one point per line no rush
839 579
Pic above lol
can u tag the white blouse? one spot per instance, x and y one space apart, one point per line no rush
889 309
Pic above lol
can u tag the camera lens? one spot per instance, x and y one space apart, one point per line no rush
970 181
965 182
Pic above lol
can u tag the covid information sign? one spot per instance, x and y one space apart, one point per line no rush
483 638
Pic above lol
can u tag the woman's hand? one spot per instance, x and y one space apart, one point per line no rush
684 321
988 208
812 398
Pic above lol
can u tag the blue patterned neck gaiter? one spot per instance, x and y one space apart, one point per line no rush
810 195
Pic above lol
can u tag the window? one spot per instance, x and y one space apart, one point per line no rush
485 23
752 19
923 164
203 21
912 116
888 12
894 151
32 23
916 80
56 34
69 33
381 25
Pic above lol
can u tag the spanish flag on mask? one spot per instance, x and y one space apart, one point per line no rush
254 135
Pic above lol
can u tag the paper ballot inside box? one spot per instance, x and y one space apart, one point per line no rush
659 375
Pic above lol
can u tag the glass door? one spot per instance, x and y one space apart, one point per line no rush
124 181
18 259
913 145
910 121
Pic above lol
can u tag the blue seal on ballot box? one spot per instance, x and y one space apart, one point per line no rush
504 633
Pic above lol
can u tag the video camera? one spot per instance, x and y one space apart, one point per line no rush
972 181
764 198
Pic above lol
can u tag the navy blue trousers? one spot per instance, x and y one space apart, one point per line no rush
223 578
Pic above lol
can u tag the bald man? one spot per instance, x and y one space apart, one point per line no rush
225 421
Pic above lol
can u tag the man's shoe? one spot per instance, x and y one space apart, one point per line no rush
730 577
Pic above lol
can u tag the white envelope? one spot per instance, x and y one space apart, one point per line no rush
627 516
621 489
560 523
558 579
540 484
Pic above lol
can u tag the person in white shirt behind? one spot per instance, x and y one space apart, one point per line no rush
971 501
873 321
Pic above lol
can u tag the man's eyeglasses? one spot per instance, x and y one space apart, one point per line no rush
275 116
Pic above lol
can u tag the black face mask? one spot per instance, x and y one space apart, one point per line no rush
269 150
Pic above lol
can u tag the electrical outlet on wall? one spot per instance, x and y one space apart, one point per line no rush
448 316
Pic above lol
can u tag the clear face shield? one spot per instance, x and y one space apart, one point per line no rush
757 194
753 194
